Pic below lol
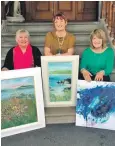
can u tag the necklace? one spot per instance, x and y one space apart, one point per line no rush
60 44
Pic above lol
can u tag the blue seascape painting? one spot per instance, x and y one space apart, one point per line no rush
60 74
18 103
95 104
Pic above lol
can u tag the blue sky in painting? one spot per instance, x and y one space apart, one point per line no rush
59 66
15 82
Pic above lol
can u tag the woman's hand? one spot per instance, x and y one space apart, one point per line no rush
87 75
99 76
4 69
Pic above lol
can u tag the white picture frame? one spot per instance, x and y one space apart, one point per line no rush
71 66
28 99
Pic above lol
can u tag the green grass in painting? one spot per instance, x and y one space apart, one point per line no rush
57 98
61 72
18 111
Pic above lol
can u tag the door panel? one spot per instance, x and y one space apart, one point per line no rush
67 7
41 11
79 11
90 10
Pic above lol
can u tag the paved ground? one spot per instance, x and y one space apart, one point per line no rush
62 135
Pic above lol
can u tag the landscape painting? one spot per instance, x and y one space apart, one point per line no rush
22 105
95 104
18 102
60 75
60 78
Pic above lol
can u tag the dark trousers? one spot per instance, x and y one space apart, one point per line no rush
105 78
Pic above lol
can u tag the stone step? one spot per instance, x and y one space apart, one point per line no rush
41 34
5 47
10 44
60 115
79 47
113 75
39 38
46 27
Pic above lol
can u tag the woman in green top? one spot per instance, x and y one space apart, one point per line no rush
97 61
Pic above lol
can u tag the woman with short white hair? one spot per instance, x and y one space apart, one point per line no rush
23 55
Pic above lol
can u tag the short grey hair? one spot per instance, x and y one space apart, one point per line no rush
21 31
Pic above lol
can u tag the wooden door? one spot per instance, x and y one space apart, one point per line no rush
74 10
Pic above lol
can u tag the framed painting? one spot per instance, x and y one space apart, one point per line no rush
22 107
95 104
60 75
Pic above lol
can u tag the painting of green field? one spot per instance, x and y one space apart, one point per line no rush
18 103
60 74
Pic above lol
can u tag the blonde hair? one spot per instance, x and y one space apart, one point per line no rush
99 33
22 31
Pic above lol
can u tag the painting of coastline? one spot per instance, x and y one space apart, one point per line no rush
18 104
60 74
95 104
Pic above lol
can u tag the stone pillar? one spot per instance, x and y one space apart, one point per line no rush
3 13
3 18
23 8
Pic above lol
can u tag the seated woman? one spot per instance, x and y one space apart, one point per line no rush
97 61
59 42
24 55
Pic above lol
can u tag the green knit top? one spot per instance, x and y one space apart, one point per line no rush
95 62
